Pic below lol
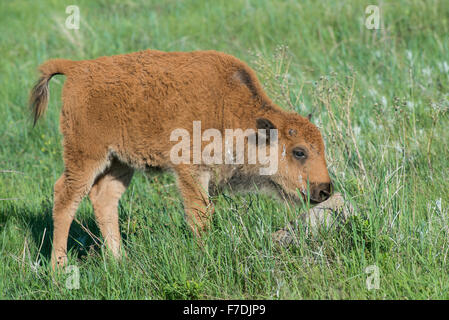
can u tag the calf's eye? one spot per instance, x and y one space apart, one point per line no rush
299 153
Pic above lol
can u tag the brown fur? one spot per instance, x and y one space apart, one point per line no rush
117 116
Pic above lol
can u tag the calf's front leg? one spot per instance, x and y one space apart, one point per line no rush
194 185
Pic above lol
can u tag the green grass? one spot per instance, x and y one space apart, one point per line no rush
379 96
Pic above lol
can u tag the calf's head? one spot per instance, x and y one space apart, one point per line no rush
301 159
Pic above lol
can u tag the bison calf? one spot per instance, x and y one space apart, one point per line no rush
119 114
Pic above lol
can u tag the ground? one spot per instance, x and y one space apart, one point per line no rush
380 97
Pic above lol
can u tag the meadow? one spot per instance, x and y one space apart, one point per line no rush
379 96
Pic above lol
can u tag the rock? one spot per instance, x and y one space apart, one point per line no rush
326 215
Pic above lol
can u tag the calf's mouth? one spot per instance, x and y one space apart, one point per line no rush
318 192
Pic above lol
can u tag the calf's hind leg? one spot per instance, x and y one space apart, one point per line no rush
69 190
104 195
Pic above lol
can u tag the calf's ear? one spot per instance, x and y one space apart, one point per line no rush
266 125
263 123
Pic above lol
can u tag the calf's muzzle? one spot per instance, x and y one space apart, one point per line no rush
321 191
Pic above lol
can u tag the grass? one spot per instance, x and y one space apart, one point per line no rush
380 98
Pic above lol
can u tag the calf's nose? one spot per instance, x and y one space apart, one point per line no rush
322 192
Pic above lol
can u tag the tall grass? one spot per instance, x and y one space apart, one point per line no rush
380 98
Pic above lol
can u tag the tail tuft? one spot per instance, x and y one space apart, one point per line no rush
39 95
39 98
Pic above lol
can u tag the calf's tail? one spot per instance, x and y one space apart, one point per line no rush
39 94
